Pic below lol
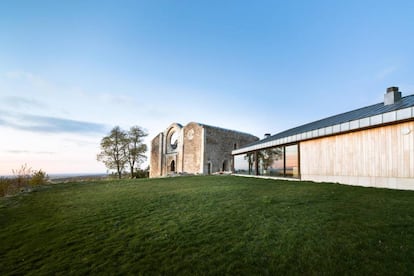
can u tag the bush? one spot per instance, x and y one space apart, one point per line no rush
141 173
22 176
5 184
10 186
22 180
38 178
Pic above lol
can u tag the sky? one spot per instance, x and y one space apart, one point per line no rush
72 70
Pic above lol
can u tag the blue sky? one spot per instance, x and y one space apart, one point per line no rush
71 70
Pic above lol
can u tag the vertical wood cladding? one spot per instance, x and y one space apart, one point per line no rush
384 152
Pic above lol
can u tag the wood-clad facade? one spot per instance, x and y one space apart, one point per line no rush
371 146
378 157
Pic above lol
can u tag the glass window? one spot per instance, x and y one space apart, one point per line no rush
278 161
271 161
245 164
292 161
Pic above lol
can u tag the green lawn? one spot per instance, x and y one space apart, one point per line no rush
207 225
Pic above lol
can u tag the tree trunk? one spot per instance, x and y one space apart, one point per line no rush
132 172
119 171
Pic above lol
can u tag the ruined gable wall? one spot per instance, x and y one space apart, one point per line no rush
156 156
193 148
198 146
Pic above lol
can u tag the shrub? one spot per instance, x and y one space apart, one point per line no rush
38 178
141 173
23 178
5 184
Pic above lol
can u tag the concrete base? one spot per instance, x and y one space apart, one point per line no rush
376 182
365 181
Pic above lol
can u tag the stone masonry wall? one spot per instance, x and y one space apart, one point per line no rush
219 144
193 143
155 169
199 149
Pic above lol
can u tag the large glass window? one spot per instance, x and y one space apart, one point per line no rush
292 161
280 161
271 161
245 164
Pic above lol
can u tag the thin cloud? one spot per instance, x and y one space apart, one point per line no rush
31 78
29 152
21 102
45 124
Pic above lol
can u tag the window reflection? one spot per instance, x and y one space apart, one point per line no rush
245 164
292 161
280 161
271 161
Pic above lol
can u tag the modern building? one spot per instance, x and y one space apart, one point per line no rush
195 149
371 146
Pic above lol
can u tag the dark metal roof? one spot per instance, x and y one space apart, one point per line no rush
372 110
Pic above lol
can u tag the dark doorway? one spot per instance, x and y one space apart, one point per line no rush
225 165
172 167
209 168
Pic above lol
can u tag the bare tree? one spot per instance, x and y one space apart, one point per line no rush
135 149
113 150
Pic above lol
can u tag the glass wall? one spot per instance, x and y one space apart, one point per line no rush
245 164
292 161
282 161
271 161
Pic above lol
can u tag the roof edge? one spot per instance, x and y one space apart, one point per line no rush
399 115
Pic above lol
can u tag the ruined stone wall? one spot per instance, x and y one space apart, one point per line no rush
172 150
218 146
170 167
156 156
193 148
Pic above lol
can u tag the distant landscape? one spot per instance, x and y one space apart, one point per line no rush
74 175
66 175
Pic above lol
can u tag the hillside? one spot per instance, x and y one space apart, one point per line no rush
207 225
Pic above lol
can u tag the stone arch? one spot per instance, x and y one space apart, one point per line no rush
173 137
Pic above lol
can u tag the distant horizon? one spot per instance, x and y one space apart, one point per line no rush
63 174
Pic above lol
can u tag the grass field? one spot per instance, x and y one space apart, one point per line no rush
207 225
